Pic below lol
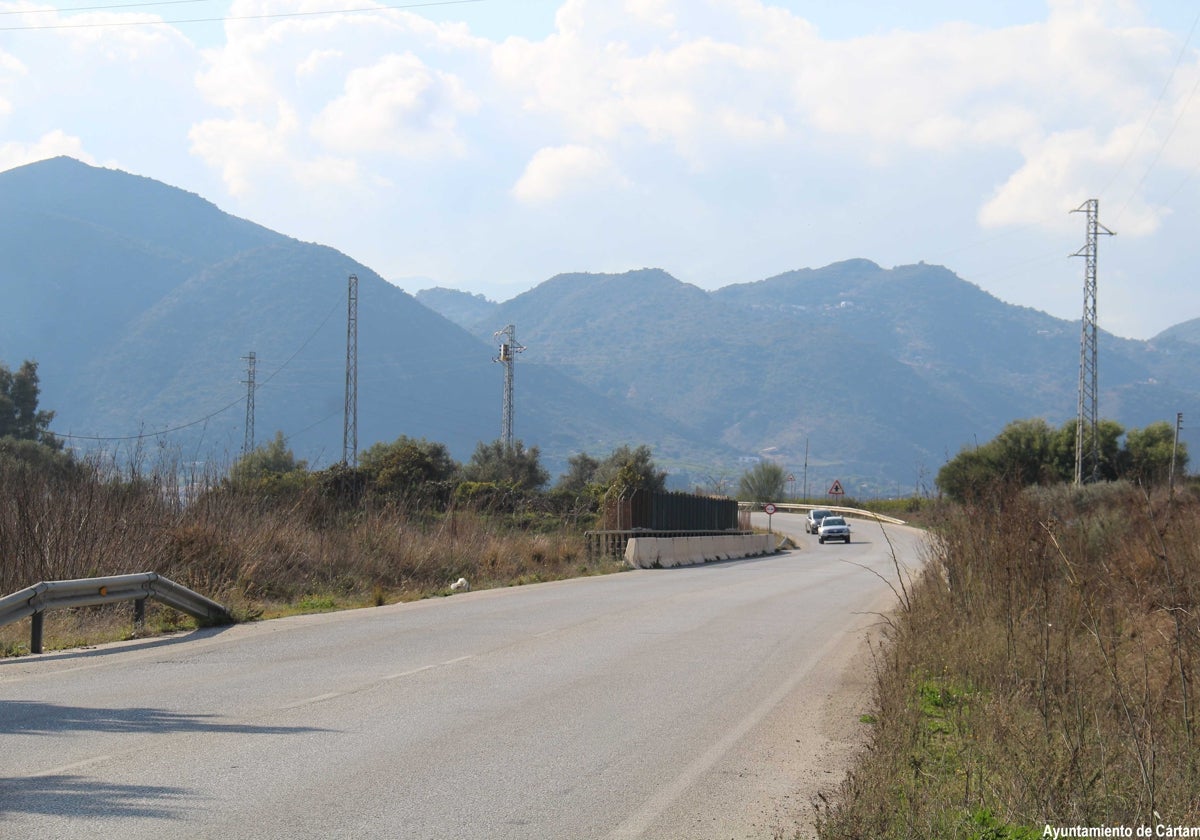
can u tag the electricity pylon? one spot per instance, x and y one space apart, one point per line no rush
350 424
1087 464
248 443
509 348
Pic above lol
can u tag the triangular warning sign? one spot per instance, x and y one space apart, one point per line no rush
836 489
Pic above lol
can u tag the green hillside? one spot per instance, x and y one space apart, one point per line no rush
140 301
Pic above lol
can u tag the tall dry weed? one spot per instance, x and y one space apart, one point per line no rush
1044 673
258 552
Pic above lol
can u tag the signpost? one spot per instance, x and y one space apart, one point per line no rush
836 489
769 510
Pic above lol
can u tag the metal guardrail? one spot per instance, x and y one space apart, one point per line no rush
858 513
89 592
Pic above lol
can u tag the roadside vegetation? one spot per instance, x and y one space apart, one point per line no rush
272 537
1040 670
269 536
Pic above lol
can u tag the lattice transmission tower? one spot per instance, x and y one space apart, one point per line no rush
248 443
350 424
1087 438
509 348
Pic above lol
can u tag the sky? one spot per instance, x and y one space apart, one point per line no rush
488 145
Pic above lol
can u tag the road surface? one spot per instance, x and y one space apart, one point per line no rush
697 702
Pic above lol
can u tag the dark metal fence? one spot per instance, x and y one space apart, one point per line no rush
649 512
658 511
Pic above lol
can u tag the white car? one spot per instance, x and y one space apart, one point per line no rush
833 528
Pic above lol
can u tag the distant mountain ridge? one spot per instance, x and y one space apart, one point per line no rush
463 308
1188 332
141 325
140 302
864 374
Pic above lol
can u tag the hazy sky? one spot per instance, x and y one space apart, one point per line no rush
489 145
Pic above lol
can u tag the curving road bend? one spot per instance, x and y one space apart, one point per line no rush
698 702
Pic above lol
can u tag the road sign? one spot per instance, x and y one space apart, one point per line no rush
769 509
836 489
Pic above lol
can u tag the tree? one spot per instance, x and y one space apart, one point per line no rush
1112 457
1148 453
41 458
1062 451
19 414
631 469
496 463
763 482
581 471
1025 452
271 460
967 474
1022 452
625 468
1031 452
407 465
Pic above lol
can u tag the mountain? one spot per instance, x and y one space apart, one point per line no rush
140 303
1188 333
870 376
463 308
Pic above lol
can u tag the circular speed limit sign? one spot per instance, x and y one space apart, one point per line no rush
769 509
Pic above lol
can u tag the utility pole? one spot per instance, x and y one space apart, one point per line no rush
248 443
1174 449
509 348
1087 466
806 469
350 425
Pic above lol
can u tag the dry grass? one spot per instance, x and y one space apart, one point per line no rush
298 551
1042 674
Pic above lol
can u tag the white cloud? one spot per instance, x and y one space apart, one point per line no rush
122 37
52 144
554 172
120 94
330 98
397 105
247 152
316 59
12 72
1060 173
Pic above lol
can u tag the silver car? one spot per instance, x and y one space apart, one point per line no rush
814 519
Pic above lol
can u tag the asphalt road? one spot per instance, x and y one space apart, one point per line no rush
657 704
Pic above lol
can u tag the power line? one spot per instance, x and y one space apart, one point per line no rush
142 435
1162 147
265 16
216 413
1150 117
53 10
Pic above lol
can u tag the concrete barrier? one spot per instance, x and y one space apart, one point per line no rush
664 552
